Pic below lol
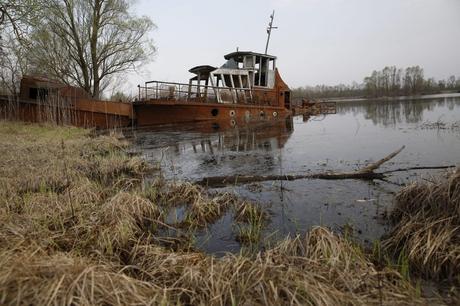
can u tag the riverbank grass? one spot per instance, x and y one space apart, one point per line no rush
79 225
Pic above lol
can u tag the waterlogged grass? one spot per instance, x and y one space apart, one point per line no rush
250 222
79 226
426 228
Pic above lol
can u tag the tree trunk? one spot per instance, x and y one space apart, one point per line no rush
93 45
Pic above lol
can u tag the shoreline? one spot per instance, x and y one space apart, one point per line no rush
396 98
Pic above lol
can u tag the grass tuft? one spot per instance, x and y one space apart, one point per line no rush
426 228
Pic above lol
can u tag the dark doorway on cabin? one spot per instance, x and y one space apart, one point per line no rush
38 93
287 99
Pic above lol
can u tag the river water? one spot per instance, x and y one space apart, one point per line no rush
360 132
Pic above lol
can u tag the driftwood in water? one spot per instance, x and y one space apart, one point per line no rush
366 173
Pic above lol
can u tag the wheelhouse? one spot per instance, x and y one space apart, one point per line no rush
245 78
261 67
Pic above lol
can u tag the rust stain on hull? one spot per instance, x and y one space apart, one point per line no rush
165 113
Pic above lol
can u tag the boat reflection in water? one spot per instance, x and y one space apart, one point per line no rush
267 136
191 151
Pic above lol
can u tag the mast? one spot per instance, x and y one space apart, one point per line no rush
269 30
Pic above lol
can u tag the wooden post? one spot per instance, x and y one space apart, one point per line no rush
206 90
189 89
198 88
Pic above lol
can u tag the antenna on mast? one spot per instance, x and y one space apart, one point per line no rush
269 30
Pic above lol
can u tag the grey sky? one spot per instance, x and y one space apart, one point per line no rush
318 41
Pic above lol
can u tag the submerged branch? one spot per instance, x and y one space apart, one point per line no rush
366 173
420 168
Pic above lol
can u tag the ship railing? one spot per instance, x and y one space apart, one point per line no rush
157 90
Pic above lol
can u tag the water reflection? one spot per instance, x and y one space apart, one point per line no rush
393 112
193 151
265 137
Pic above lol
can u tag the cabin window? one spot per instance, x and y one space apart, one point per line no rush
236 81
245 81
33 93
227 80
263 70
257 67
248 62
38 93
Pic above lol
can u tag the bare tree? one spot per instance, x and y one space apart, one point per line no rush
87 42
451 82
13 65
413 80
8 15
15 18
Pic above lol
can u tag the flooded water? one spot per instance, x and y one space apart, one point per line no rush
359 133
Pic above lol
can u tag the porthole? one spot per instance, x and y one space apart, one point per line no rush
262 114
275 114
232 122
232 113
215 112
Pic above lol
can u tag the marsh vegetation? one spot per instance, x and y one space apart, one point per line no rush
81 224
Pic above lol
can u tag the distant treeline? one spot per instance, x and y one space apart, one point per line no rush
388 82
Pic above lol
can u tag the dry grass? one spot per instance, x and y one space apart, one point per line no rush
318 269
427 227
79 227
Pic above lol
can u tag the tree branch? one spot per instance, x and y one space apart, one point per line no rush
366 173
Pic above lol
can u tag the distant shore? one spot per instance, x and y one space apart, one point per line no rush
387 98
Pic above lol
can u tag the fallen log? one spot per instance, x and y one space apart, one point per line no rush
366 173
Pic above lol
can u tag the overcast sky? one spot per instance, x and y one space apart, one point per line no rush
318 41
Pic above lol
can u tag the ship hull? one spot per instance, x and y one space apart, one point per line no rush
165 112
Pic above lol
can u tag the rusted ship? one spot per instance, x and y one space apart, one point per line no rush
246 88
